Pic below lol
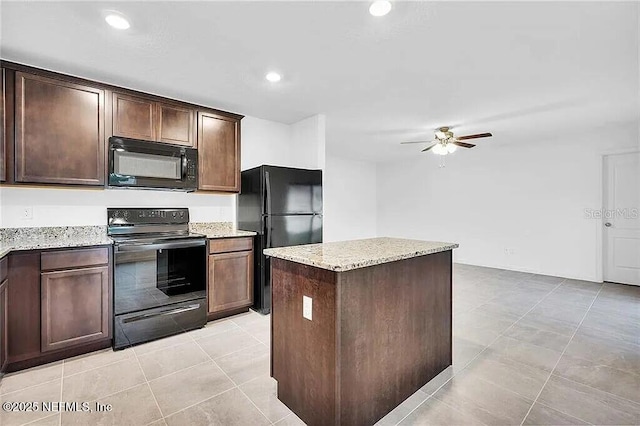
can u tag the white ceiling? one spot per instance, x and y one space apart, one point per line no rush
519 70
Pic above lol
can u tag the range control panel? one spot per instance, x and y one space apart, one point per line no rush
137 216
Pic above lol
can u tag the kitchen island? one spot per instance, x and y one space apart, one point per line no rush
358 326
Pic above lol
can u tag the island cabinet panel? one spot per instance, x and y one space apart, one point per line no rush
59 131
230 276
134 117
4 303
75 307
376 335
176 124
303 352
218 153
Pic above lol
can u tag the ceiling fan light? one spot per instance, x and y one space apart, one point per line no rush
451 148
439 149
440 135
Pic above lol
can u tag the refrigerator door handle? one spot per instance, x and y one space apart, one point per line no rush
268 223
267 183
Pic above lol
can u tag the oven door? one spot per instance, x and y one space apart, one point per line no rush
150 275
159 289
142 164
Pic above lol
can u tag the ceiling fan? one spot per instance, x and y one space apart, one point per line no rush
445 143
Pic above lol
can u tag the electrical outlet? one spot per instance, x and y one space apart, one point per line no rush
27 213
307 307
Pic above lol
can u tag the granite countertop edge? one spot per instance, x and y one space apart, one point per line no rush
348 265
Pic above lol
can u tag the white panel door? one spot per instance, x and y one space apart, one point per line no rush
621 218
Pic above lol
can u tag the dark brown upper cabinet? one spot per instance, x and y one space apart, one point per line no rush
218 153
176 124
134 117
138 117
59 131
3 173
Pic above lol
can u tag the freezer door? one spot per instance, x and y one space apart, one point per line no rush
282 231
292 191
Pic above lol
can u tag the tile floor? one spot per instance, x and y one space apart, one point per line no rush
528 350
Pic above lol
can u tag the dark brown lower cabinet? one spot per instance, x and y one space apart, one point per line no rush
4 303
59 305
75 307
230 277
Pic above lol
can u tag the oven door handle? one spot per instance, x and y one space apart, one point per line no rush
159 246
183 175
173 311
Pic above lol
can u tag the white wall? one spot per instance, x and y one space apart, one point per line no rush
509 204
349 199
308 142
265 142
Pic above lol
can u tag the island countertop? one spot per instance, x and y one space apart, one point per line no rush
343 256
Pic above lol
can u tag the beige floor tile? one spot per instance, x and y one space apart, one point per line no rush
402 410
526 353
214 327
477 398
546 416
548 324
31 377
588 404
435 412
160 422
535 336
190 386
132 407
229 408
169 360
102 381
505 372
262 392
624 384
435 383
53 420
228 342
463 352
162 343
46 392
261 330
93 360
247 318
290 420
246 364
596 347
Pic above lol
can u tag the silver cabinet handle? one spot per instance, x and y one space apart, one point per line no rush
608 224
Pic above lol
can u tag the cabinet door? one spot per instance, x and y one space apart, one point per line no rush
3 173
59 135
4 316
133 117
230 281
176 124
75 307
218 153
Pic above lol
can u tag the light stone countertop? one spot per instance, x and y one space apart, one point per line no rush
343 256
12 239
218 230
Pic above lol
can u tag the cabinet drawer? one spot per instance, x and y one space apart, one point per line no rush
67 259
3 269
225 245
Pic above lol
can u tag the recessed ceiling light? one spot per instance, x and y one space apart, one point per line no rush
273 77
380 8
117 21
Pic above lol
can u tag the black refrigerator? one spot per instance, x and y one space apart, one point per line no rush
284 206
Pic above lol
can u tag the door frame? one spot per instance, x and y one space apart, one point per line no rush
600 252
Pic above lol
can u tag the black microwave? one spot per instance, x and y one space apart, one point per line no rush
136 163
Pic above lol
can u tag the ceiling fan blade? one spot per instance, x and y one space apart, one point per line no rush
416 142
478 136
463 144
429 147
